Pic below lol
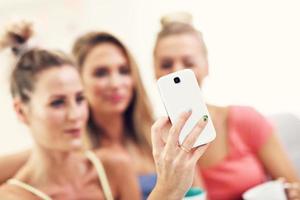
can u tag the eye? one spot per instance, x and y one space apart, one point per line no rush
57 103
188 63
166 64
124 69
80 98
101 72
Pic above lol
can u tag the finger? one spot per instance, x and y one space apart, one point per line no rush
292 190
156 134
281 179
198 152
293 194
192 137
173 137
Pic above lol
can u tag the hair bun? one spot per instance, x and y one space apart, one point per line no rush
176 17
16 36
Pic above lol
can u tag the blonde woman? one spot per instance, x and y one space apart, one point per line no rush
246 150
121 115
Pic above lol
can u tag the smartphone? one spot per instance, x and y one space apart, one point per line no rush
180 92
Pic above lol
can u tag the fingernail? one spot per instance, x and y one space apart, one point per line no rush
205 117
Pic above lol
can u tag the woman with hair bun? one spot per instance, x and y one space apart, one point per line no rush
48 98
246 151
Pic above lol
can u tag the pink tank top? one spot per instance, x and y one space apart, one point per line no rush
240 170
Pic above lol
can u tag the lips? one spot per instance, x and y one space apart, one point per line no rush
76 132
115 98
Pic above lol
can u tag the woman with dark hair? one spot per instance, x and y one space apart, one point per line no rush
48 98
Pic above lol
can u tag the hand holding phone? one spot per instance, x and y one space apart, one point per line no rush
180 92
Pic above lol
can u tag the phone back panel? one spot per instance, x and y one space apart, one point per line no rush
183 96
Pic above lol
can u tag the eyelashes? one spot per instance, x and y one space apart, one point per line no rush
169 64
58 103
104 71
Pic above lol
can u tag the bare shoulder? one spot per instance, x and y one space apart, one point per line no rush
218 109
219 113
8 192
222 109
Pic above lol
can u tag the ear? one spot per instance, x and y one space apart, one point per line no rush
21 110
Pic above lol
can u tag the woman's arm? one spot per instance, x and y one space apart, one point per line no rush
127 182
175 164
10 164
277 163
198 180
120 173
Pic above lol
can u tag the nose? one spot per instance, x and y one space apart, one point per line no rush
178 66
74 112
115 80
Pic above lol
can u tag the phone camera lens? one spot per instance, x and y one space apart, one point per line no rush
176 80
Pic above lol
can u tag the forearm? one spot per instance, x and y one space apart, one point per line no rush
198 180
276 161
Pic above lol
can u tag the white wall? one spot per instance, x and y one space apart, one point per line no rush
253 47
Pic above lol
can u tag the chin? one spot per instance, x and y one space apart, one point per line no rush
117 109
75 144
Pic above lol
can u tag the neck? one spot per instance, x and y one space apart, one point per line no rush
113 127
46 167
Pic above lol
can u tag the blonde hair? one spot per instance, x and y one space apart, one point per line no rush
176 24
138 115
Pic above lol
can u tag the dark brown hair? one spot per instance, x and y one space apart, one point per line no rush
29 62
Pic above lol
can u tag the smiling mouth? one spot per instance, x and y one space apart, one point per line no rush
115 98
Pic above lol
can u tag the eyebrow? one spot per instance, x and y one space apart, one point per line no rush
57 96
63 95
100 66
188 57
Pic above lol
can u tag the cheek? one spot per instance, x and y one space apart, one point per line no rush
85 112
128 81
157 69
45 115
128 84
161 72
55 118
95 88
48 124
200 73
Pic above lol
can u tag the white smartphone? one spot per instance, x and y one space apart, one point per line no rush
180 92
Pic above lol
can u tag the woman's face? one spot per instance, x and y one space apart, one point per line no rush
107 80
176 52
57 111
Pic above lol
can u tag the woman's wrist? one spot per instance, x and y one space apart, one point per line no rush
163 192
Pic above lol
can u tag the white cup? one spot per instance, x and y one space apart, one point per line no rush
273 190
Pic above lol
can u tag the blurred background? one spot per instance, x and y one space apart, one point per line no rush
253 48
